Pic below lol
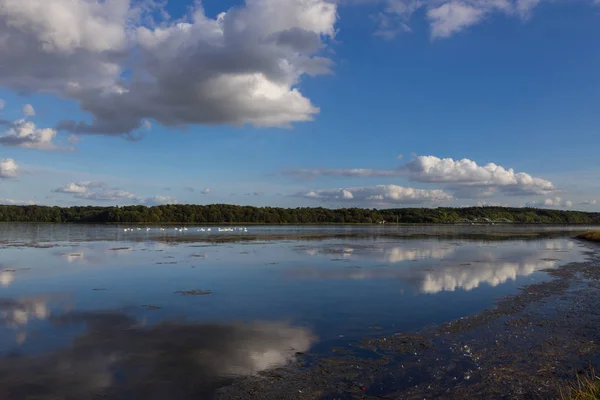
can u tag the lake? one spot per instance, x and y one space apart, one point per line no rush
86 309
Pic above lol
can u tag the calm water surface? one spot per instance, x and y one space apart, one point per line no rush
69 294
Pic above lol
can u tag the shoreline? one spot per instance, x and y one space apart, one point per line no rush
529 345
309 236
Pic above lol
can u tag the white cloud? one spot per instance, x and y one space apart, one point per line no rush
53 45
95 191
206 191
108 195
2 104
12 202
159 200
447 17
98 191
466 172
453 17
381 194
349 172
465 178
588 202
28 110
8 168
242 67
79 187
554 202
23 133
486 204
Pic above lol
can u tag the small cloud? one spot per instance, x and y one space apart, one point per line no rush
486 204
98 191
28 110
555 202
108 195
588 202
146 124
256 194
8 168
23 133
12 202
400 157
73 139
159 200
2 104
206 191
79 187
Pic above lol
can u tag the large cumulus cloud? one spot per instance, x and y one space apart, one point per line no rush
241 67
463 178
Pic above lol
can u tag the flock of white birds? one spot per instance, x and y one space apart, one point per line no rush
184 229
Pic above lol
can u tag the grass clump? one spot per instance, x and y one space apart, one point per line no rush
587 387
592 236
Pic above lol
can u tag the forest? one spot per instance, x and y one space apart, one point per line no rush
232 214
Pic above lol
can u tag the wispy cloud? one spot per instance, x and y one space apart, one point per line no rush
158 200
13 202
99 191
79 187
381 194
448 17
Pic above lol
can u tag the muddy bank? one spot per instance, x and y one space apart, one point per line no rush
526 347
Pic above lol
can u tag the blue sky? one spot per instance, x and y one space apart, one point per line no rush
301 103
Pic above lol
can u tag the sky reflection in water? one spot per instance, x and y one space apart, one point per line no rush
101 307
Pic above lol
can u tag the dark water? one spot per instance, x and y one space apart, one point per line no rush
98 309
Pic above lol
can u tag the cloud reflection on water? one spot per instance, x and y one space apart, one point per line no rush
116 356
15 313
444 267
6 278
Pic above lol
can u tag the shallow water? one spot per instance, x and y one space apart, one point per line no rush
40 233
238 307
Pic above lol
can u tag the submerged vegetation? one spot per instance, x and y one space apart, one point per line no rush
224 213
592 236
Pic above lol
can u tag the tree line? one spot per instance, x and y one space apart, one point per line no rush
232 214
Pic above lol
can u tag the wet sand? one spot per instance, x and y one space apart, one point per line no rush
526 347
